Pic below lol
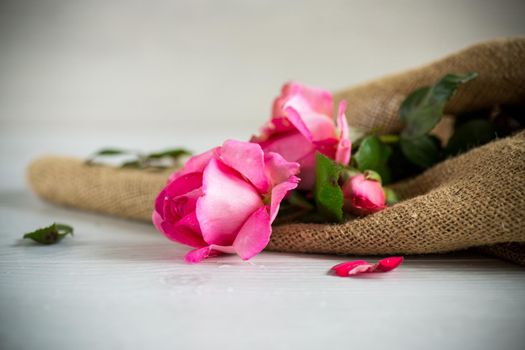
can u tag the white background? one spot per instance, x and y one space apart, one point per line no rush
165 71
77 75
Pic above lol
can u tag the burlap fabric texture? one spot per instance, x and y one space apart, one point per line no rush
473 200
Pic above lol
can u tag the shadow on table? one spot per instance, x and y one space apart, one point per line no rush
129 244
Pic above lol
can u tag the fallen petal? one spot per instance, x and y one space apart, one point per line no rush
387 264
345 269
197 255
361 266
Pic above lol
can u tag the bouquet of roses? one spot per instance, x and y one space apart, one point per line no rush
313 178
301 167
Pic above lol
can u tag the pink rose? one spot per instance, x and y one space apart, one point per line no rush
363 195
301 125
225 200
356 267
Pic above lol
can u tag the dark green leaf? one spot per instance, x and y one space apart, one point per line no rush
373 154
470 134
423 151
400 167
108 152
297 200
156 160
51 234
172 153
328 195
391 196
389 138
111 152
423 108
132 164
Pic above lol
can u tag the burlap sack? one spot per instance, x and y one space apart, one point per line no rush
474 200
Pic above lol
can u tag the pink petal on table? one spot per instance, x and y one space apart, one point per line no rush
361 266
345 268
387 264
197 255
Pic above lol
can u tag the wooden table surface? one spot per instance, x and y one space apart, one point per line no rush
77 76
120 285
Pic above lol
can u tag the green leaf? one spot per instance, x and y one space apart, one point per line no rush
171 153
327 193
423 151
389 138
297 200
111 152
108 152
372 175
391 197
132 164
50 234
155 160
423 108
470 134
373 154
399 165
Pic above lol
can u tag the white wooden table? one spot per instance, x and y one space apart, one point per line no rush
76 76
121 285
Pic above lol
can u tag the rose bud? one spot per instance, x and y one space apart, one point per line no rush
302 124
225 200
363 194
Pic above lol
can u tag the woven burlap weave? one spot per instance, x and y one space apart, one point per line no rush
474 200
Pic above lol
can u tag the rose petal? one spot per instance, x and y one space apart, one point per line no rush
320 100
363 196
254 235
307 171
178 198
344 147
387 264
197 255
278 193
248 159
361 266
316 99
157 220
273 127
195 164
278 169
308 109
362 205
183 232
291 146
344 269
183 184
226 204
298 122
